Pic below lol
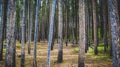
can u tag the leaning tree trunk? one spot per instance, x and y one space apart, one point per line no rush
23 35
115 29
9 62
60 27
36 32
51 31
81 33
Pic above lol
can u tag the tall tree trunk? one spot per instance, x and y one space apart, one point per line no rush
115 28
1 31
51 31
104 6
30 25
3 28
101 18
23 35
60 30
86 27
67 21
82 33
95 27
36 32
10 45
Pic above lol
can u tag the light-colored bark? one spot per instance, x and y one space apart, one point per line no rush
23 35
60 29
10 45
51 31
82 33
36 32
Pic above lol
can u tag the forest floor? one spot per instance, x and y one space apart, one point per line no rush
70 56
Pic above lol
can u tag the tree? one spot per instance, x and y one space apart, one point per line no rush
115 33
104 7
60 29
23 35
82 33
95 27
36 32
1 31
10 45
51 31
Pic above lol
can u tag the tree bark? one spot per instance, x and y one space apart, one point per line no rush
36 32
115 29
95 27
23 35
1 31
10 45
51 31
82 32
60 29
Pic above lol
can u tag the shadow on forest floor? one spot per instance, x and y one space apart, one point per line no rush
70 56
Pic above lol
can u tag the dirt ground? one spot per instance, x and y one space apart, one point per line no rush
70 57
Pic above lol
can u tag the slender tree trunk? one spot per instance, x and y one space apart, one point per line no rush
60 26
95 27
23 35
82 33
101 19
29 24
1 31
9 62
109 33
36 32
67 21
86 27
51 31
3 28
105 24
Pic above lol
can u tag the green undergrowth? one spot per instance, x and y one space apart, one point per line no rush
101 54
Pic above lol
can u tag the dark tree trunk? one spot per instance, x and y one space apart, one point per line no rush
1 31
3 28
115 29
104 6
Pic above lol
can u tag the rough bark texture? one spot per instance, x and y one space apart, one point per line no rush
60 27
81 33
115 33
10 35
